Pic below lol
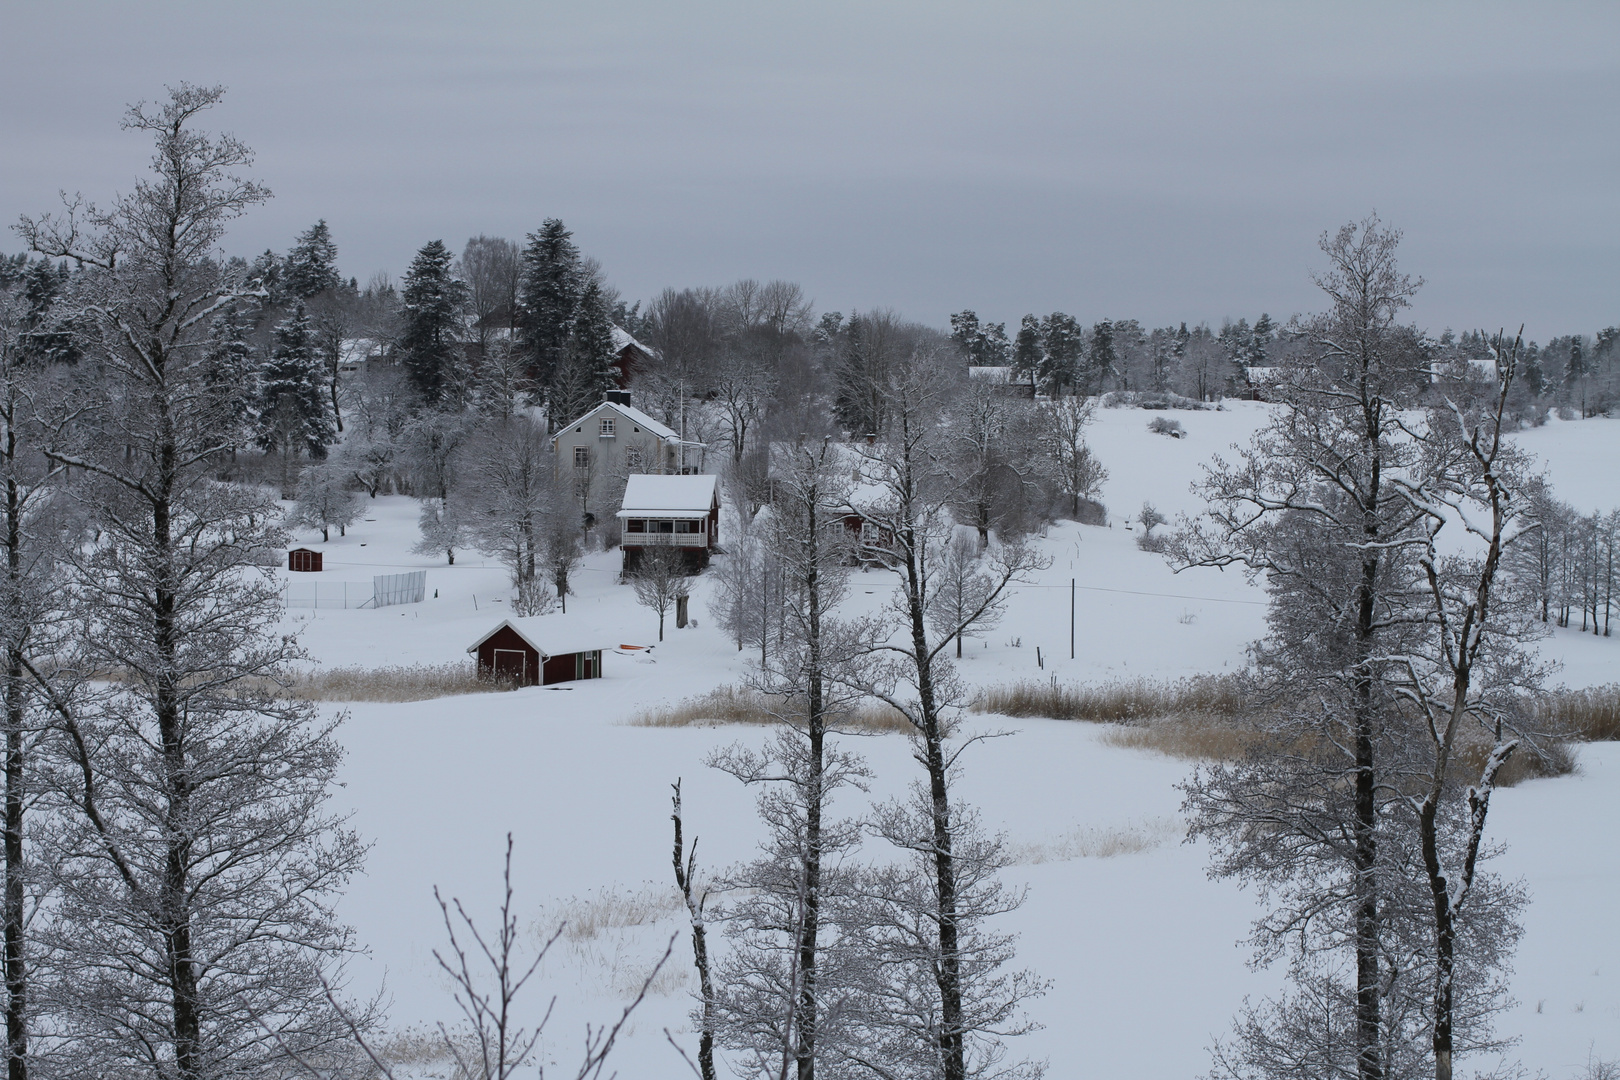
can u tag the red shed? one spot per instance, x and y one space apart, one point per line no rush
540 654
304 560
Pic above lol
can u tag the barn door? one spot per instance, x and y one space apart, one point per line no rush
509 664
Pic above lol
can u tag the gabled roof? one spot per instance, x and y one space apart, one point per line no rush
622 338
552 635
646 495
634 415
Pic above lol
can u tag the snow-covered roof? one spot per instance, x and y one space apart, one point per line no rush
553 635
634 415
622 338
668 496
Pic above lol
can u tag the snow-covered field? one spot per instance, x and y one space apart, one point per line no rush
1140 948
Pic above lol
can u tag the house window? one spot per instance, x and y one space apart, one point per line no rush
582 457
632 458
663 526
686 526
869 533
635 525
607 427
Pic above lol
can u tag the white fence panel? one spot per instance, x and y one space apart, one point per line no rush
392 589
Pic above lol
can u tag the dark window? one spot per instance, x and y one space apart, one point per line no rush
582 457
665 526
635 525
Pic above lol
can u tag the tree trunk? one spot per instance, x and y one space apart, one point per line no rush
948 973
16 967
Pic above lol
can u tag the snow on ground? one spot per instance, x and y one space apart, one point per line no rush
1141 948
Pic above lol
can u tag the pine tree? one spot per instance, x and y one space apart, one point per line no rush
548 301
432 316
311 266
1029 349
1064 346
1102 359
293 417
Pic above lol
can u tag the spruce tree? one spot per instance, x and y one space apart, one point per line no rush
292 413
311 266
549 296
432 321
587 372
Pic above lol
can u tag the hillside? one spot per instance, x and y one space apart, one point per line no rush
1120 916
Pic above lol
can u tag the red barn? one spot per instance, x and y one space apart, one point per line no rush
304 560
540 654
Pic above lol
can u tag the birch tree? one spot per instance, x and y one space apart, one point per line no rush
911 673
198 865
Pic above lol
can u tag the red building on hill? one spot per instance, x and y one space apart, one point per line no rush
540 654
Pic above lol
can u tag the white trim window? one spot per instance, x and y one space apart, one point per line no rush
582 457
606 430
632 458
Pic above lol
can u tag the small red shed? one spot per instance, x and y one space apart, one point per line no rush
304 560
539 655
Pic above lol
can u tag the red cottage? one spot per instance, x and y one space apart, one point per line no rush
540 653
304 560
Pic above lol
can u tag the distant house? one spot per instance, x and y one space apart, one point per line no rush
611 442
682 512
632 356
304 560
540 653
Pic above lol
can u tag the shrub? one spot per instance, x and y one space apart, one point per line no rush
1163 425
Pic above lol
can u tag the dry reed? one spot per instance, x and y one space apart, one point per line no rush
1590 715
741 705
1120 702
413 682
1098 843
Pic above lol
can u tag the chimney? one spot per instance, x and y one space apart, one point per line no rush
618 397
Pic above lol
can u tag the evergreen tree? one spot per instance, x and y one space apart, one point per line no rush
587 371
1029 349
45 338
1065 344
1102 359
293 416
432 321
548 299
311 266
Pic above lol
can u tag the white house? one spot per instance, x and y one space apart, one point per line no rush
670 511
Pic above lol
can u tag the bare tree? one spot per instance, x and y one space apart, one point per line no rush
1312 820
696 899
325 501
491 266
784 986
1468 669
912 673
660 580
199 865
1074 469
30 574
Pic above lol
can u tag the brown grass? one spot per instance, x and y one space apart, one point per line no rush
1194 737
1591 715
740 705
1122 702
413 682
1209 718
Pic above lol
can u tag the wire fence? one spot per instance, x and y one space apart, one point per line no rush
384 590
329 594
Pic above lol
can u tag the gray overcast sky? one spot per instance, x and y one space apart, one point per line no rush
1162 161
